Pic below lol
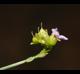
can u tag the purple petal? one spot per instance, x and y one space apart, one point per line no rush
63 37
55 32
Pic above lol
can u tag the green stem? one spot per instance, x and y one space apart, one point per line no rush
16 64
42 54
12 65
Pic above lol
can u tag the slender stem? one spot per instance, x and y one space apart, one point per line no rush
41 54
16 64
12 65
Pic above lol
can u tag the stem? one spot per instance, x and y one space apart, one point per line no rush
12 65
41 54
16 64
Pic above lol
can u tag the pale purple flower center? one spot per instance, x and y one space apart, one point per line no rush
55 32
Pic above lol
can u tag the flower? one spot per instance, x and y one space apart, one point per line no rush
44 38
56 33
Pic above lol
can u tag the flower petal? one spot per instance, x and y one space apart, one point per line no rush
63 37
55 32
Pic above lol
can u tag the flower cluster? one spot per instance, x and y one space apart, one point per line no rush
44 38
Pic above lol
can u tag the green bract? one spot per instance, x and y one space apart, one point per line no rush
44 38
52 40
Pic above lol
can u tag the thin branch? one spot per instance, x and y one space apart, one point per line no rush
41 54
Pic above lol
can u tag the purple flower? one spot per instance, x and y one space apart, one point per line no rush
55 32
